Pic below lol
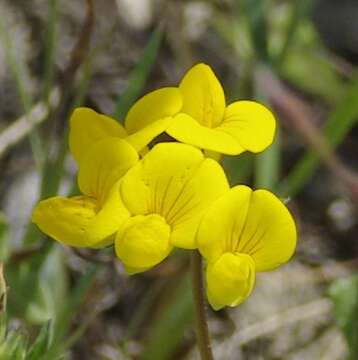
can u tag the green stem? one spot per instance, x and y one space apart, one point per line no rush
201 324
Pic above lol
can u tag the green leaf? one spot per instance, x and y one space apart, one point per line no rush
51 288
70 306
302 72
138 76
299 11
344 293
29 284
41 344
13 347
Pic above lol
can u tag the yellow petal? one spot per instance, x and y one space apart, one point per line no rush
207 183
270 231
110 216
65 219
87 127
175 181
77 222
140 139
145 188
203 96
158 104
142 242
132 270
222 223
104 164
230 280
250 123
187 130
251 222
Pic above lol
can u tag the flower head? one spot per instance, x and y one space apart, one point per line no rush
243 232
206 122
89 220
166 193
174 196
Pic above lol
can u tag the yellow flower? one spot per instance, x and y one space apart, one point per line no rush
166 193
146 119
206 122
195 113
91 219
243 232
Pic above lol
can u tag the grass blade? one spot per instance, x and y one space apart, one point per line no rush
339 123
51 37
18 70
138 76
255 11
168 329
267 166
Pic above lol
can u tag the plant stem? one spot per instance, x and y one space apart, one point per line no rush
201 325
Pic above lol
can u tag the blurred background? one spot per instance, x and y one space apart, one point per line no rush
299 57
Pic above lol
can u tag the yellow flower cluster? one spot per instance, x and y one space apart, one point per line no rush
147 202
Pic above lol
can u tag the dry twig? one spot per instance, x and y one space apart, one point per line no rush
312 310
26 123
300 115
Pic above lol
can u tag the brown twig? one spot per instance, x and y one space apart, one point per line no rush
24 254
26 123
81 47
67 77
313 310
